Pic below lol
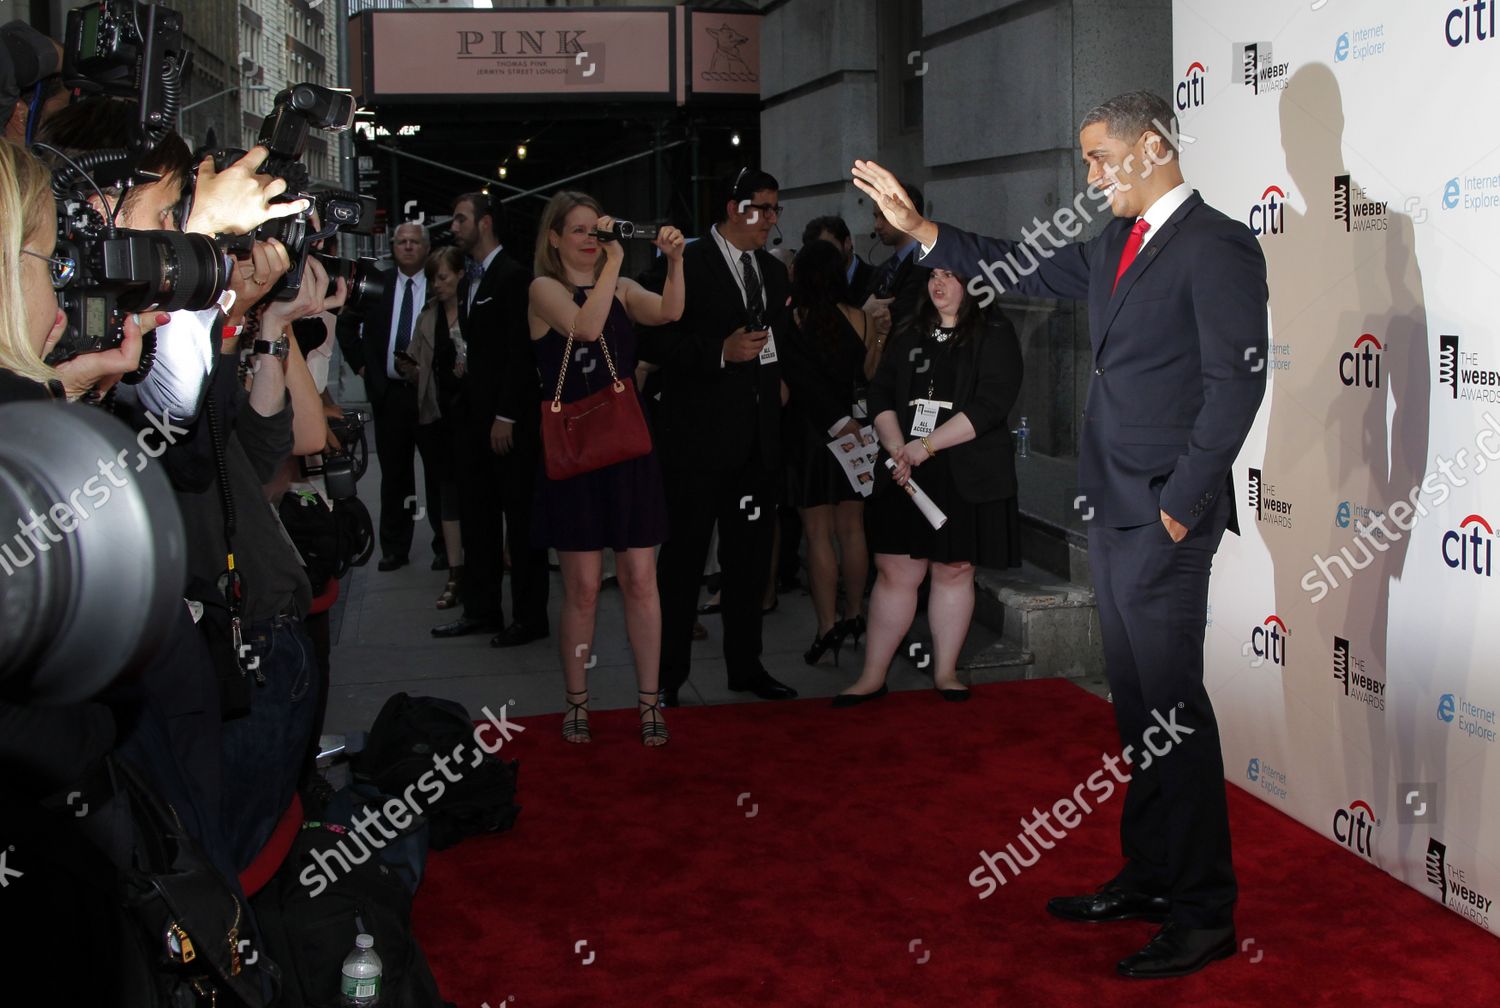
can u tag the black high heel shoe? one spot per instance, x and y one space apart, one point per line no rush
832 640
854 627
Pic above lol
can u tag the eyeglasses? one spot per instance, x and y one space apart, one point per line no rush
62 268
766 208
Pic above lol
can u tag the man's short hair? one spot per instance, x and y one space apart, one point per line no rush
744 185
832 223
1127 116
421 231
482 206
917 200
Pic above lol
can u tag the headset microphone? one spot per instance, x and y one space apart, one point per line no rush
777 239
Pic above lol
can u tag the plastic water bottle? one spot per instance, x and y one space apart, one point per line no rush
1023 440
360 986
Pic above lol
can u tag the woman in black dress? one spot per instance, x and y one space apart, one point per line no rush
825 367
940 400
579 293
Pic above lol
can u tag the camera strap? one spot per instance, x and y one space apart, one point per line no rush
232 587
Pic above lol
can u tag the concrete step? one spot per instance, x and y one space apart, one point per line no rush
986 657
1055 621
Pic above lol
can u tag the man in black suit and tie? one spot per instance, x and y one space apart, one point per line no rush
898 283
1177 316
719 435
500 438
859 274
393 396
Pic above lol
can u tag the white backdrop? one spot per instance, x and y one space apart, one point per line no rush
1354 670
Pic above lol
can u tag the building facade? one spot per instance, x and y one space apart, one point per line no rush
977 102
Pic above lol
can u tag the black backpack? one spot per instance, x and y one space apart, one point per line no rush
309 915
400 751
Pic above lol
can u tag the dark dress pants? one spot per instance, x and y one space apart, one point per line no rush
529 581
1152 595
396 445
743 503
482 514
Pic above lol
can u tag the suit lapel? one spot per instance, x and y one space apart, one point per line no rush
1138 268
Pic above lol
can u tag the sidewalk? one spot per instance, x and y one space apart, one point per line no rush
382 645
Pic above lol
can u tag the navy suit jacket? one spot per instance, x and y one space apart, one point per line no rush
1179 355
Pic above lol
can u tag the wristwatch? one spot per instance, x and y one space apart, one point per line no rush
277 347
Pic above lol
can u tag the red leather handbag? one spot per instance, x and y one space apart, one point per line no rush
602 428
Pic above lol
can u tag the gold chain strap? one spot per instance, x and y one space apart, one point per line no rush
562 372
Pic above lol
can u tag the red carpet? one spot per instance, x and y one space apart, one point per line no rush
857 839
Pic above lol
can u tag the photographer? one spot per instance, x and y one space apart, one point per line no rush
232 201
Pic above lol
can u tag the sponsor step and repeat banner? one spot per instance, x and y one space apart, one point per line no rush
1354 626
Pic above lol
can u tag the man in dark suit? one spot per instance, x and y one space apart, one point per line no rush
859 274
500 438
719 435
384 337
897 284
1178 320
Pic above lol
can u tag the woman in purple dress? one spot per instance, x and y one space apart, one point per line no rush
578 292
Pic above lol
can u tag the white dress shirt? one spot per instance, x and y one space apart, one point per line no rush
418 299
1161 211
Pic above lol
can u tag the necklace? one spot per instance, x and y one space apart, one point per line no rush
941 334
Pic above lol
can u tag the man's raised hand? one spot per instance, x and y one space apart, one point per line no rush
888 195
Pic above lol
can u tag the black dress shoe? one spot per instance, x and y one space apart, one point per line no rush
766 688
461 626
855 699
709 609
954 695
669 698
390 563
1177 950
1110 904
515 635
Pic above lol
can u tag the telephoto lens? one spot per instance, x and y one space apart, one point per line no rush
99 554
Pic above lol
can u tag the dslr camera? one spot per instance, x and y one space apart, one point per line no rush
298 109
125 49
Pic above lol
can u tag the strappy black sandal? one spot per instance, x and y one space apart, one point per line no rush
653 726
576 721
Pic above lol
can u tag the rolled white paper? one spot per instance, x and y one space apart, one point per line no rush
930 511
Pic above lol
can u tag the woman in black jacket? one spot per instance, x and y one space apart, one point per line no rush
940 400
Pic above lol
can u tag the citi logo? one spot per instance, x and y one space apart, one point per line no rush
1354 827
1268 217
1192 90
1473 22
1466 549
1268 640
1361 366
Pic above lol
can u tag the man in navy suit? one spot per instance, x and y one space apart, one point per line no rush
1177 317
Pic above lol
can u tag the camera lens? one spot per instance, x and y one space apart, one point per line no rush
175 270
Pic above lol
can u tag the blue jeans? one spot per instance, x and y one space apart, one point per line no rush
266 750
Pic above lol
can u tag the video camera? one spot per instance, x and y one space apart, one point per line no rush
124 49
297 110
628 229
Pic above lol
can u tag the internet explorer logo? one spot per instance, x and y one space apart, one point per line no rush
1341 48
1451 193
1446 706
1254 770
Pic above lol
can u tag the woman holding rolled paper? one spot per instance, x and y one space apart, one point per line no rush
940 398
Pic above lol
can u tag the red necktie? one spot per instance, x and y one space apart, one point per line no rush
1132 246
